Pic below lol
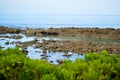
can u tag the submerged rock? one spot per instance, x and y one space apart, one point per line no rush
66 54
25 51
7 43
1 46
17 37
59 61
42 55
51 61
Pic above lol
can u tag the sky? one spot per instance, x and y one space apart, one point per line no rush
60 7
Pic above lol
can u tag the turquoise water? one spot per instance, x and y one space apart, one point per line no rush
59 20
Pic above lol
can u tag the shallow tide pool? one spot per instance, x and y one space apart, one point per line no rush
6 41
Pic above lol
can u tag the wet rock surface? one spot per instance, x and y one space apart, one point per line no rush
17 37
77 46
24 51
4 29
13 37
67 45
80 47
107 33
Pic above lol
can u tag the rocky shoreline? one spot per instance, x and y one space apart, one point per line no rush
79 47
108 33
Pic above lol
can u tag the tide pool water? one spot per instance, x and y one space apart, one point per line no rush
59 20
35 53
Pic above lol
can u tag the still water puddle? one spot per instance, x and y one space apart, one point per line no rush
6 41
51 57
104 41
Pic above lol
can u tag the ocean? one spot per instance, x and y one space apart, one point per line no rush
59 20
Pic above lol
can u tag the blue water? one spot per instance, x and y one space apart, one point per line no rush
59 20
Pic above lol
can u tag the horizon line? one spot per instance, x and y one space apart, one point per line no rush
55 14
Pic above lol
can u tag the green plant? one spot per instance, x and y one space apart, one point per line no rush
14 65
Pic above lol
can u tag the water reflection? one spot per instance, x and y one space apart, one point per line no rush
7 41
51 57
36 53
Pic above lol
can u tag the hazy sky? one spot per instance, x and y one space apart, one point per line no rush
60 6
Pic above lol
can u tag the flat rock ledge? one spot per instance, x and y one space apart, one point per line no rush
107 33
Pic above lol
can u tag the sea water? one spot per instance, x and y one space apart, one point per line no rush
59 20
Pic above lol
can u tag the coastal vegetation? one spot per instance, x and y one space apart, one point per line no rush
14 65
